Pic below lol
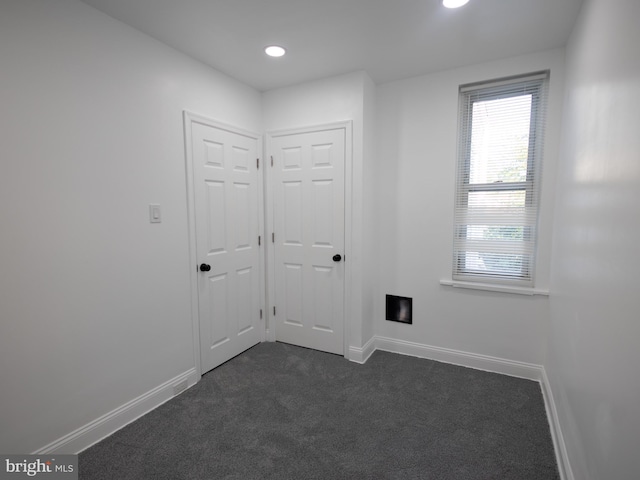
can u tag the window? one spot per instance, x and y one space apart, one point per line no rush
499 164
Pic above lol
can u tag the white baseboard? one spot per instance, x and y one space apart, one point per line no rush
106 425
458 357
564 466
361 355
503 366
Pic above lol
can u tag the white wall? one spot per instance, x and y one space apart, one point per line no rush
95 301
593 353
325 101
416 133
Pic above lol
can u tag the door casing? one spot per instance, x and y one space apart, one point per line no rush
265 199
270 327
189 119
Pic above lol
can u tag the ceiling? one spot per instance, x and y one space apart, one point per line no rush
389 39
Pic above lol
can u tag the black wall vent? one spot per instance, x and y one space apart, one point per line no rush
400 309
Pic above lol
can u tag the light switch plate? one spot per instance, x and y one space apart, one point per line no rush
155 216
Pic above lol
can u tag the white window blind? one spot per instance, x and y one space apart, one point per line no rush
499 165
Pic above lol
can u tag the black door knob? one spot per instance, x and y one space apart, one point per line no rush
204 267
337 257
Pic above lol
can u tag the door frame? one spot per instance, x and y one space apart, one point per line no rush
269 196
189 118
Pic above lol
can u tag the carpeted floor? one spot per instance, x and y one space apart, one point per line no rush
283 412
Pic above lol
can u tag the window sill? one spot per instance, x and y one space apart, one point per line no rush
495 288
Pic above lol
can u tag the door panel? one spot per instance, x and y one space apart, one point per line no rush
225 179
216 213
217 292
308 216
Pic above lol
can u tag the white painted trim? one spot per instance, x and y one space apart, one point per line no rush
310 128
349 298
495 288
211 122
189 119
347 126
104 426
100 428
361 355
458 357
270 323
564 466
487 363
261 231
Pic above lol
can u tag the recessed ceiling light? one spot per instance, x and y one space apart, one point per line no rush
274 51
454 3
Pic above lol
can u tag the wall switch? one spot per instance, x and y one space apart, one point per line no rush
154 213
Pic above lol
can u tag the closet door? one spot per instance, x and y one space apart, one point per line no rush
227 209
308 176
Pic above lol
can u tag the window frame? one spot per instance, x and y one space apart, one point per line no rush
537 86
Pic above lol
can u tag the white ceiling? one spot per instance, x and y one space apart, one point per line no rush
389 39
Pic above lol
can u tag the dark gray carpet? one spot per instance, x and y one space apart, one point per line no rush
284 412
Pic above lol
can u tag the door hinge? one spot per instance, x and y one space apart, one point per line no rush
272 160
274 311
259 240
260 314
257 163
273 237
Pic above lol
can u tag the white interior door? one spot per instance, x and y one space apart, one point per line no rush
227 208
308 185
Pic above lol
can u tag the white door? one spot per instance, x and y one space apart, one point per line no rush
308 218
226 204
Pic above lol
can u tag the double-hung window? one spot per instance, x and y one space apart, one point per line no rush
498 175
